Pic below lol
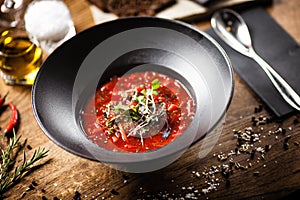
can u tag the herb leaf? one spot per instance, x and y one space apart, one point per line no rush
143 92
120 107
155 84
141 99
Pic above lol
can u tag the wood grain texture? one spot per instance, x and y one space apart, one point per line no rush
64 175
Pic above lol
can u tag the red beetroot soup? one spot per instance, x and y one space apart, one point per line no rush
138 112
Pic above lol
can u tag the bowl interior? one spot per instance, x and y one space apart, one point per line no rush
74 70
138 61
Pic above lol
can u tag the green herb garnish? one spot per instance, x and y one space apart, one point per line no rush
137 112
119 107
155 84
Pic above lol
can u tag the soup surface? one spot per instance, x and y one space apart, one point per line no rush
137 112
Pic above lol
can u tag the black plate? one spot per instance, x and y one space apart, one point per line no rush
187 54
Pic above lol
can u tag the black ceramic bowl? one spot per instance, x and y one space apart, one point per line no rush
71 74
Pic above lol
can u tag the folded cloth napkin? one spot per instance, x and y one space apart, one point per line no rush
274 45
187 10
203 1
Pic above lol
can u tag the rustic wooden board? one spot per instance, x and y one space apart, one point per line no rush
63 175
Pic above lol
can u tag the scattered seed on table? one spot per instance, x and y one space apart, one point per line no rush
286 146
256 173
44 198
34 183
23 195
287 138
30 187
77 196
268 147
114 192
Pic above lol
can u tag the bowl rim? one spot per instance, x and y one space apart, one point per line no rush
183 24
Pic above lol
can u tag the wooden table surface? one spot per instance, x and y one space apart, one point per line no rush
274 174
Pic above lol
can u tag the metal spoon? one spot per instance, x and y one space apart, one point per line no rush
231 27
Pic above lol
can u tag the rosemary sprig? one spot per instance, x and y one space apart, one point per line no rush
8 176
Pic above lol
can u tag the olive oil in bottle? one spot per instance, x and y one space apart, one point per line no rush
20 58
